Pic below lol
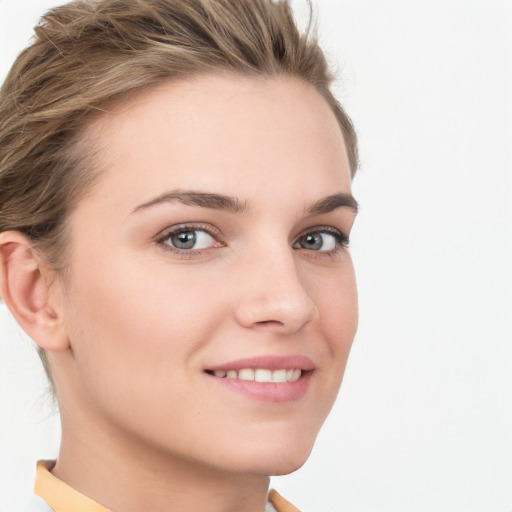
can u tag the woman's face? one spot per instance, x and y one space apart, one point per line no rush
210 302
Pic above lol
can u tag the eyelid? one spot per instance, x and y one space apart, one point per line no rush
342 239
189 226
165 233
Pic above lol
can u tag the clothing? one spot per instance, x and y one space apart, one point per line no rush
53 495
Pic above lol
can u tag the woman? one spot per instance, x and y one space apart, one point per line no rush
175 197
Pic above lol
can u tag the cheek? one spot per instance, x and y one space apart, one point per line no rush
125 325
136 344
338 310
335 295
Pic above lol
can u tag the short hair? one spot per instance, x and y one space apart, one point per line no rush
90 54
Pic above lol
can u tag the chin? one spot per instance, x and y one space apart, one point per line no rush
285 463
271 460
272 449
287 468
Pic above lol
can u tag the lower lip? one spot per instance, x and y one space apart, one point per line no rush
268 391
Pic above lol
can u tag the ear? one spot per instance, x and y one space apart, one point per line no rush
25 289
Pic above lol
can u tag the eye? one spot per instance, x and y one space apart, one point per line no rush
189 239
322 241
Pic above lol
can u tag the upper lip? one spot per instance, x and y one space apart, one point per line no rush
291 362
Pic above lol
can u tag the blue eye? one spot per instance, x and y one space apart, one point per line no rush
321 241
189 239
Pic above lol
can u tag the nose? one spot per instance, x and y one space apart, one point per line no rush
272 295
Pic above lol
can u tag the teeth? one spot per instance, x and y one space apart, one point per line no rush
295 375
279 376
261 375
246 374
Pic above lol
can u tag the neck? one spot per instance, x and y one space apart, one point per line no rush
124 475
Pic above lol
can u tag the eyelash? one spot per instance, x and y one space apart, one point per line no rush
188 228
341 240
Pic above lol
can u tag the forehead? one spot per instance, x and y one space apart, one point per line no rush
222 132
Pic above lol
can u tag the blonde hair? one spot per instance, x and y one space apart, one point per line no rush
92 53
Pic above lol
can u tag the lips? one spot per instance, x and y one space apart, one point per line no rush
267 378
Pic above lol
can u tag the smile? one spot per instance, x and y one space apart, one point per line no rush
274 379
260 375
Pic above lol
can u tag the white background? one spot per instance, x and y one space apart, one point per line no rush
424 419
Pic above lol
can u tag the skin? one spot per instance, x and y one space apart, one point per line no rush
136 324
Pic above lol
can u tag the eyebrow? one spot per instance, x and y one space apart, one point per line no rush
202 199
333 202
234 205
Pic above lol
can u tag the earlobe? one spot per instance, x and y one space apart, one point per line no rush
26 292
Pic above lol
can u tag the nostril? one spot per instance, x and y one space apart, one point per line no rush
269 323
